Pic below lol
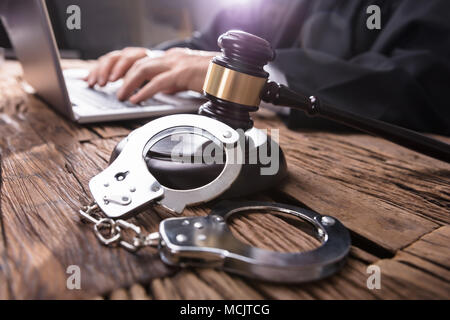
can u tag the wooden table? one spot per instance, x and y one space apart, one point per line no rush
395 203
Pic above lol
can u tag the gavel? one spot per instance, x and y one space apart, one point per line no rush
236 83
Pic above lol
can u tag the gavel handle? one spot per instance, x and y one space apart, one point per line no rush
283 96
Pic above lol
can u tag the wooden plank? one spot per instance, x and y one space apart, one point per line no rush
52 127
411 283
16 104
422 264
388 196
434 247
202 284
398 281
40 197
431 253
138 292
110 130
340 175
44 233
181 286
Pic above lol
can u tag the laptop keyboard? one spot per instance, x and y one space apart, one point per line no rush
102 98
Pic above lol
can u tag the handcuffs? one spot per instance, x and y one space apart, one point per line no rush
126 186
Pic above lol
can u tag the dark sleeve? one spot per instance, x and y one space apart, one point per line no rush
252 18
206 39
403 80
196 42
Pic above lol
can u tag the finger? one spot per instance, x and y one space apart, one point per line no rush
105 66
121 67
170 90
130 83
92 77
136 76
152 66
165 81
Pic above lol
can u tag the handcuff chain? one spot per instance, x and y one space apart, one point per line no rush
92 214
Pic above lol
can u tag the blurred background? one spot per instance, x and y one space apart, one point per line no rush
113 24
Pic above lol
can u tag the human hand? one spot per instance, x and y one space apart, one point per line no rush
178 69
114 65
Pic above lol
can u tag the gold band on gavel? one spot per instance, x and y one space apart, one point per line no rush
233 86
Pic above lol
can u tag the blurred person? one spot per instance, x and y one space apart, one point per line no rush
399 73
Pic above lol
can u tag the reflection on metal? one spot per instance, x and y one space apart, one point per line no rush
127 185
183 243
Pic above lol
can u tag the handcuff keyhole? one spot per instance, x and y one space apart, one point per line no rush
121 175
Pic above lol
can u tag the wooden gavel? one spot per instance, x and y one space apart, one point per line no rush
236 83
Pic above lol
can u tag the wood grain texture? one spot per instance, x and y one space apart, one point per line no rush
46 167
395 203
431 253
386 197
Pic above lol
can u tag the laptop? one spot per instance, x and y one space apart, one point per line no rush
29 29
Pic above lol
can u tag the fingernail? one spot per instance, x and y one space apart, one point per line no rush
113 77
133 99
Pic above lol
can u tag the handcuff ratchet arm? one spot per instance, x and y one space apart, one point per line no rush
127 185
208 242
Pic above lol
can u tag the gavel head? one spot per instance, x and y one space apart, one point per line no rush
233 85
236 78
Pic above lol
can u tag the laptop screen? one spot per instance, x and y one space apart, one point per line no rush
30 32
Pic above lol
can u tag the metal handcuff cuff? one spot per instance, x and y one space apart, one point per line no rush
126 186
233 85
